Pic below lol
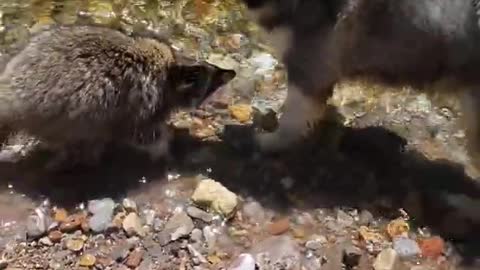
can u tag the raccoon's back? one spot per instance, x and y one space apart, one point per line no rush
79 72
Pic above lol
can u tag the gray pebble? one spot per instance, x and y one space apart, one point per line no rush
316 243
244 261
344 219
210 237
254 212
196 255
120 252
277 250
102 211
100 205
197 235
149 216
365 217
198 213
406 247
38 223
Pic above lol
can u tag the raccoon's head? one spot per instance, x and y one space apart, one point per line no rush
193 82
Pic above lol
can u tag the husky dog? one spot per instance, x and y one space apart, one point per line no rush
396 42
78 88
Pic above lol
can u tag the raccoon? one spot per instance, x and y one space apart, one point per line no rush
394 42
80 88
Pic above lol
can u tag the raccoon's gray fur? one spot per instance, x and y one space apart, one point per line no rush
400 42
74 87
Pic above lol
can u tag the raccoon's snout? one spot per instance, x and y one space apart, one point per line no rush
220 78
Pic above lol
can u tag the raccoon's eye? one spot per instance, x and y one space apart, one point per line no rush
191 77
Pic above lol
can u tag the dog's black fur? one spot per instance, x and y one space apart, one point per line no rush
398 42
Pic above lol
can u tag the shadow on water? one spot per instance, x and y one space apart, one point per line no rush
343 167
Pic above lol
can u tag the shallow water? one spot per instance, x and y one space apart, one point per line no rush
370 167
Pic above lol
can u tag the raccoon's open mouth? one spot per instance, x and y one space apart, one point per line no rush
221 78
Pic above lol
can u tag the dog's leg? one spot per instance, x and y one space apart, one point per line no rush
471 119
300 114
70 155
158 147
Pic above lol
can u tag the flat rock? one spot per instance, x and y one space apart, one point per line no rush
214 195
386 260
179 225
132 225
198 213
277 250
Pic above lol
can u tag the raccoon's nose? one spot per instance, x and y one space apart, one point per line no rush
228 75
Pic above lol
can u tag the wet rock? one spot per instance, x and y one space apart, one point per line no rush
210 237
72 223
96 206
387 259
311 263
55 236
344 219
212 194
102 211
432 247
38 223
196 235
117 221
134 258
244 261
120 252
406 247
263 62
149 216
254 212
196 255
146 264
121 267
60 215
351 256
179 225
241 112
45 241
132 225
277 250
279 226
129 205
87 260
60 255
316 242
74 244
398 227
197 213
365 218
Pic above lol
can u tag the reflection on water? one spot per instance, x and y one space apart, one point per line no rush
213 15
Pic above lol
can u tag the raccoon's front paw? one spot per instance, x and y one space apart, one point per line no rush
68 159
241 138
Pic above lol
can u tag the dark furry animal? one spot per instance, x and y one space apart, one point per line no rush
396 42
78 88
